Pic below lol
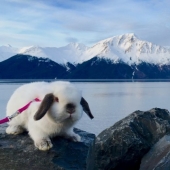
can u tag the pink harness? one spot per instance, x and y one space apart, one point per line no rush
9 118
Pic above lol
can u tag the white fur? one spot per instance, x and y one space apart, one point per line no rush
56 122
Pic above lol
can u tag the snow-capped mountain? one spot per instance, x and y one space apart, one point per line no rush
127 48
70 53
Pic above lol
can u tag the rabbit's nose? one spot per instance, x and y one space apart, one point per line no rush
70 108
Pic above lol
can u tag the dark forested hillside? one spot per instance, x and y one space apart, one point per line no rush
29 67
97 68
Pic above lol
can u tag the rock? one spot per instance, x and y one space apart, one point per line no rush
18 152
158 158
122 146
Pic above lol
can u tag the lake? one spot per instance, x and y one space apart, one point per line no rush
109 101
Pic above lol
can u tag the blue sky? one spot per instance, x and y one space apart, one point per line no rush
58 22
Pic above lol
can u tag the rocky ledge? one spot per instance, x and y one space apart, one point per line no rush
18 152
124 145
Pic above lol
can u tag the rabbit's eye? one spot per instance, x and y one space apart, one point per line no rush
56 99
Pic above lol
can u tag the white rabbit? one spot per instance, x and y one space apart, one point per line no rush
61 105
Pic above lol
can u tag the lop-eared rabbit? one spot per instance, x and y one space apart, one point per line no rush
59 107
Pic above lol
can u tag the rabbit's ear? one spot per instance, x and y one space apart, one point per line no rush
86 108
44 106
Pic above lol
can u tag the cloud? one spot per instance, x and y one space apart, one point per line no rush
57 22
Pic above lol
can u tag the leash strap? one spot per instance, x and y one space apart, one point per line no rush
4 120
9 118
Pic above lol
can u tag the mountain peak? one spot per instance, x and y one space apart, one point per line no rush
76 45
129 35
129 49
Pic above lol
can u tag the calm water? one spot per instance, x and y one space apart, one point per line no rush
109 102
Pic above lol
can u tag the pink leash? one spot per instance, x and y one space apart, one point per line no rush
9 118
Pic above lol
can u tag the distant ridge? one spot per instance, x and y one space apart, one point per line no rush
126 48
29 67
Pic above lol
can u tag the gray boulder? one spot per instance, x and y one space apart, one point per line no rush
122 146
18 152
158 158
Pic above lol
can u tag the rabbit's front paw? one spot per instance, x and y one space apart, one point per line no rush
44 144
76 138
73 137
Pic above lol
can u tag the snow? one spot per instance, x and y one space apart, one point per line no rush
127 48
69 53
7 51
